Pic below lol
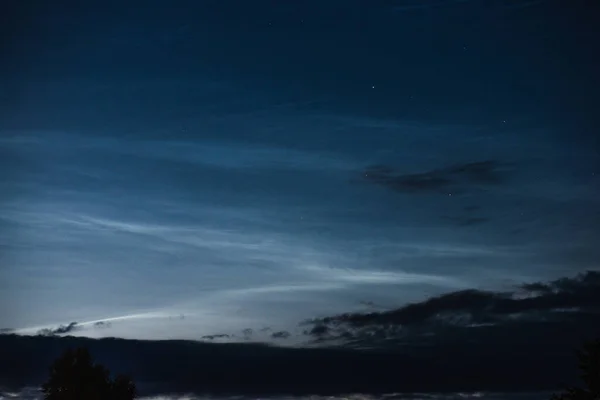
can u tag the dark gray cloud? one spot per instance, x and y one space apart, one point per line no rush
581 285
280 335
319 330
370 304
216 336
61 330
454 178
102 324
563 300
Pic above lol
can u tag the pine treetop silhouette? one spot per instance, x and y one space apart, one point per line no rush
74 376
589 365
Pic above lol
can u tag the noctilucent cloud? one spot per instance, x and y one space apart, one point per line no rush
180 172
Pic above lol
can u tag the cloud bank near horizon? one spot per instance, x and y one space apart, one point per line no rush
467 340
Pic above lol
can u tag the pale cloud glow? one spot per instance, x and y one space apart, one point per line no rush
209 259
279 184
240 200
355 276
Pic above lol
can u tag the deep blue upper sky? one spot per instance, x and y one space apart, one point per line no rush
251 164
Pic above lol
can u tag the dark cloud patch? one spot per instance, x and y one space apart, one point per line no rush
280 335
217 336
61 330
537 287
582 284
484 172
562 300
421 182
451 179
4 331
370 304
102 325
319 330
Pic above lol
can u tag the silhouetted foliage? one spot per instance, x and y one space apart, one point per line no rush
589 365
75 376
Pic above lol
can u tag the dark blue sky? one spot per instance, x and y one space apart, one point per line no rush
253 164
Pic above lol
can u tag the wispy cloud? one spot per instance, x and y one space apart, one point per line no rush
194 235
216 154
280 288
248 156
357 276
58 329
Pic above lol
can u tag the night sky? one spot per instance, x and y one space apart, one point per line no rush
260 169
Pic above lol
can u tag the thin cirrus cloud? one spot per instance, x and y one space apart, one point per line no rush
444 249
208 152
351 276
273 265
259 245
278 247
188 235
236 156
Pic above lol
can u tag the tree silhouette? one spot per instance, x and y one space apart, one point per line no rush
74 376
589 365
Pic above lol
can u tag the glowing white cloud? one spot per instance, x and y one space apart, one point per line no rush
357 276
